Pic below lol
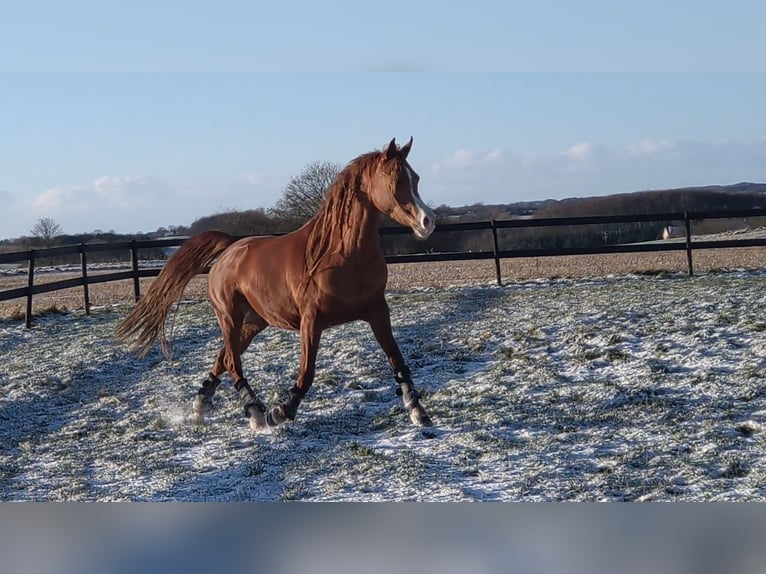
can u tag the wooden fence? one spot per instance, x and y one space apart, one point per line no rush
492 252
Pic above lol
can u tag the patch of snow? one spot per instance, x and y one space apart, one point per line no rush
620 388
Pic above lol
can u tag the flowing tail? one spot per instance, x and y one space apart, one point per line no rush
146 322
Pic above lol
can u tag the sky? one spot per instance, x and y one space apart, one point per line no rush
131 117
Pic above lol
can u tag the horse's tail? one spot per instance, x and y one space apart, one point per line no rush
146 322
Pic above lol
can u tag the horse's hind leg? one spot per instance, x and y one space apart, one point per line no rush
235 343
203 402
255 410
380 322
237 337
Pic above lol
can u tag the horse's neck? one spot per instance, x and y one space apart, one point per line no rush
362 235
354 231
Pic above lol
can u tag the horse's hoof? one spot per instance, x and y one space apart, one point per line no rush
276 416
202 405
258 423
197 418
420 418
282 413
256 416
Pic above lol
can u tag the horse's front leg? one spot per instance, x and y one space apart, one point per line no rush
380 322
310 334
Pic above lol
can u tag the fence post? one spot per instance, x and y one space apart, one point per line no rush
688 224
134 262
494 252
30 284
84 266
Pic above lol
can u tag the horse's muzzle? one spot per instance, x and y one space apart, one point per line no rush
426 223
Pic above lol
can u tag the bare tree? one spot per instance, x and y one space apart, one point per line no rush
304 193
46 230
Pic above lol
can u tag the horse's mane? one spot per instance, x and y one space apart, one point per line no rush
337 212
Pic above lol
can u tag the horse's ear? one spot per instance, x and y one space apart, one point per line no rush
405 149
391 151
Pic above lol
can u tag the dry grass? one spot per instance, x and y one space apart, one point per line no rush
408 275
575 266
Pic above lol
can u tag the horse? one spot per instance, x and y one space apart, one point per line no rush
328 272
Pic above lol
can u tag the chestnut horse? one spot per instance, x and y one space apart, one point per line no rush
329 272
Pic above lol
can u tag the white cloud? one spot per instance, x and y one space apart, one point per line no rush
467 158
585 157
495 154
579 152
650 147
107 193
58 197
109 201
130 203
589 168
128 191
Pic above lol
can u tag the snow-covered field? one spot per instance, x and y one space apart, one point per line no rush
621 388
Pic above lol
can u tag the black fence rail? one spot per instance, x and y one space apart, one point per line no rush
493 251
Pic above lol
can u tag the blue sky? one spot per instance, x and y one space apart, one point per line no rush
131 118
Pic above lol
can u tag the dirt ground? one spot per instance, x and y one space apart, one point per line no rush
410 275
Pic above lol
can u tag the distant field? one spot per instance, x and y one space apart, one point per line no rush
430 274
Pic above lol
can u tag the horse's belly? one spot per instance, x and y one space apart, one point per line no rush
282 322
277 309
336 311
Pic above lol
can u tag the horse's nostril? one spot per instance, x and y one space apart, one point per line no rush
426 222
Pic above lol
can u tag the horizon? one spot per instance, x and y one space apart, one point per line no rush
174 227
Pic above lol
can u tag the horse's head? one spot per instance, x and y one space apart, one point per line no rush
394 191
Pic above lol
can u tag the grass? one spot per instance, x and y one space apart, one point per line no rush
360 450
518 414
617 355
735 467
17 314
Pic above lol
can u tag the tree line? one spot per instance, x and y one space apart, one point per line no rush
639 203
